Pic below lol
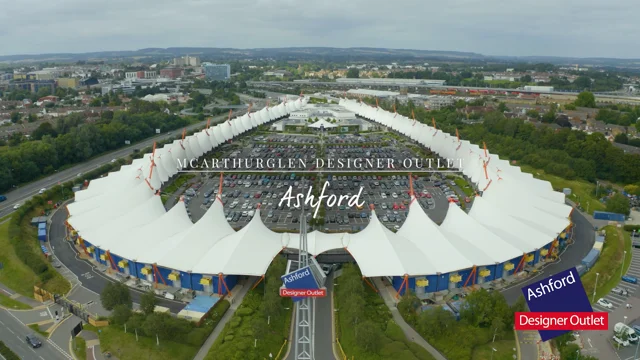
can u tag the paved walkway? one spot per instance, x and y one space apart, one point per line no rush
93 345
238 294
388 294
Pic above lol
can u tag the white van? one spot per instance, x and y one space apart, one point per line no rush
620 327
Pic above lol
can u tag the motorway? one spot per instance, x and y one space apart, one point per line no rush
25 192
13 333
90 277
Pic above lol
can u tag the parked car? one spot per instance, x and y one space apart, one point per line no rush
630 279
605 303
620 291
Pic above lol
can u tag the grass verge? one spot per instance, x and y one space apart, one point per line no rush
80 348
125 347
12 303
609 264
504 350
36 329
14 273
464 186
582 192
178 182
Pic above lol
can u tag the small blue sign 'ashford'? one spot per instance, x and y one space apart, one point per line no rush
301 279
562 292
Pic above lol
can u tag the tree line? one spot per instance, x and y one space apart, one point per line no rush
566 153
72 139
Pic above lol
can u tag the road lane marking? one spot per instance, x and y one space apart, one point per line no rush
19 338
11 331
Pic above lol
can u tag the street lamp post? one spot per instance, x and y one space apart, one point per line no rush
624 255
492 351
593 298
625 320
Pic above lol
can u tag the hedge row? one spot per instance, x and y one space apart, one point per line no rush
7 353
632 228
23 247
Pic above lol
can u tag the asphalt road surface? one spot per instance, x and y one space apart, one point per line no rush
25 192
90 278
583 235
13 334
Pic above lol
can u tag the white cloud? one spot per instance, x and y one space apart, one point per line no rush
494 27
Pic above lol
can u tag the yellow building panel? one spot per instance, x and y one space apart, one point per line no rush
206 281
103 257
508 266
123 264
529 258
90 249
422 283
455 278
544 252
174 276
146 271
485 273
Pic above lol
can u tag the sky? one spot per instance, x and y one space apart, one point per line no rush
570 28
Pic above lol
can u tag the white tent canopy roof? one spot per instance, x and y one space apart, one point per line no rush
516 214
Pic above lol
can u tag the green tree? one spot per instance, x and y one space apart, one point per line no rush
408 307
533 113
585 99
368 336
148 302
120 314
15 117
115 293
526 79
618 204
353 73
502 107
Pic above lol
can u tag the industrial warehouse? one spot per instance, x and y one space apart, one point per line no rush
517 222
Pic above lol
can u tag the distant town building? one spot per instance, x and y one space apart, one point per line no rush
391 81
69 83
140 75
216 71
435 102
372 93
171 73
34 85
277 73
186 61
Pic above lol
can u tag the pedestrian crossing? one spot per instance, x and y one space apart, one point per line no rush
621 300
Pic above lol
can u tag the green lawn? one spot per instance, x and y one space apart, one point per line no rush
12 304
609 265
462 184
177 183
80 348
582 192
125 347
14 274
505 350
36 328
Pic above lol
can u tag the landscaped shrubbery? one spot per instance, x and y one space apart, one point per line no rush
261 323
7 353
365 326
483 314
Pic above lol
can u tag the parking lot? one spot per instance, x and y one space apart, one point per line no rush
389 194
599 343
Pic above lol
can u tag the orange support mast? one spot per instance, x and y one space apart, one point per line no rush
249 109
395 112
370 284
521 264
221 281
156 274
229 117
486 175
153 164
184 132
457 135
433 121
405 283
472 275
485 149
113 264
486 187
377 104
258 283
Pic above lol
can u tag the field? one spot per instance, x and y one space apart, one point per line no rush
125 347
582 192
504 350
609 265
